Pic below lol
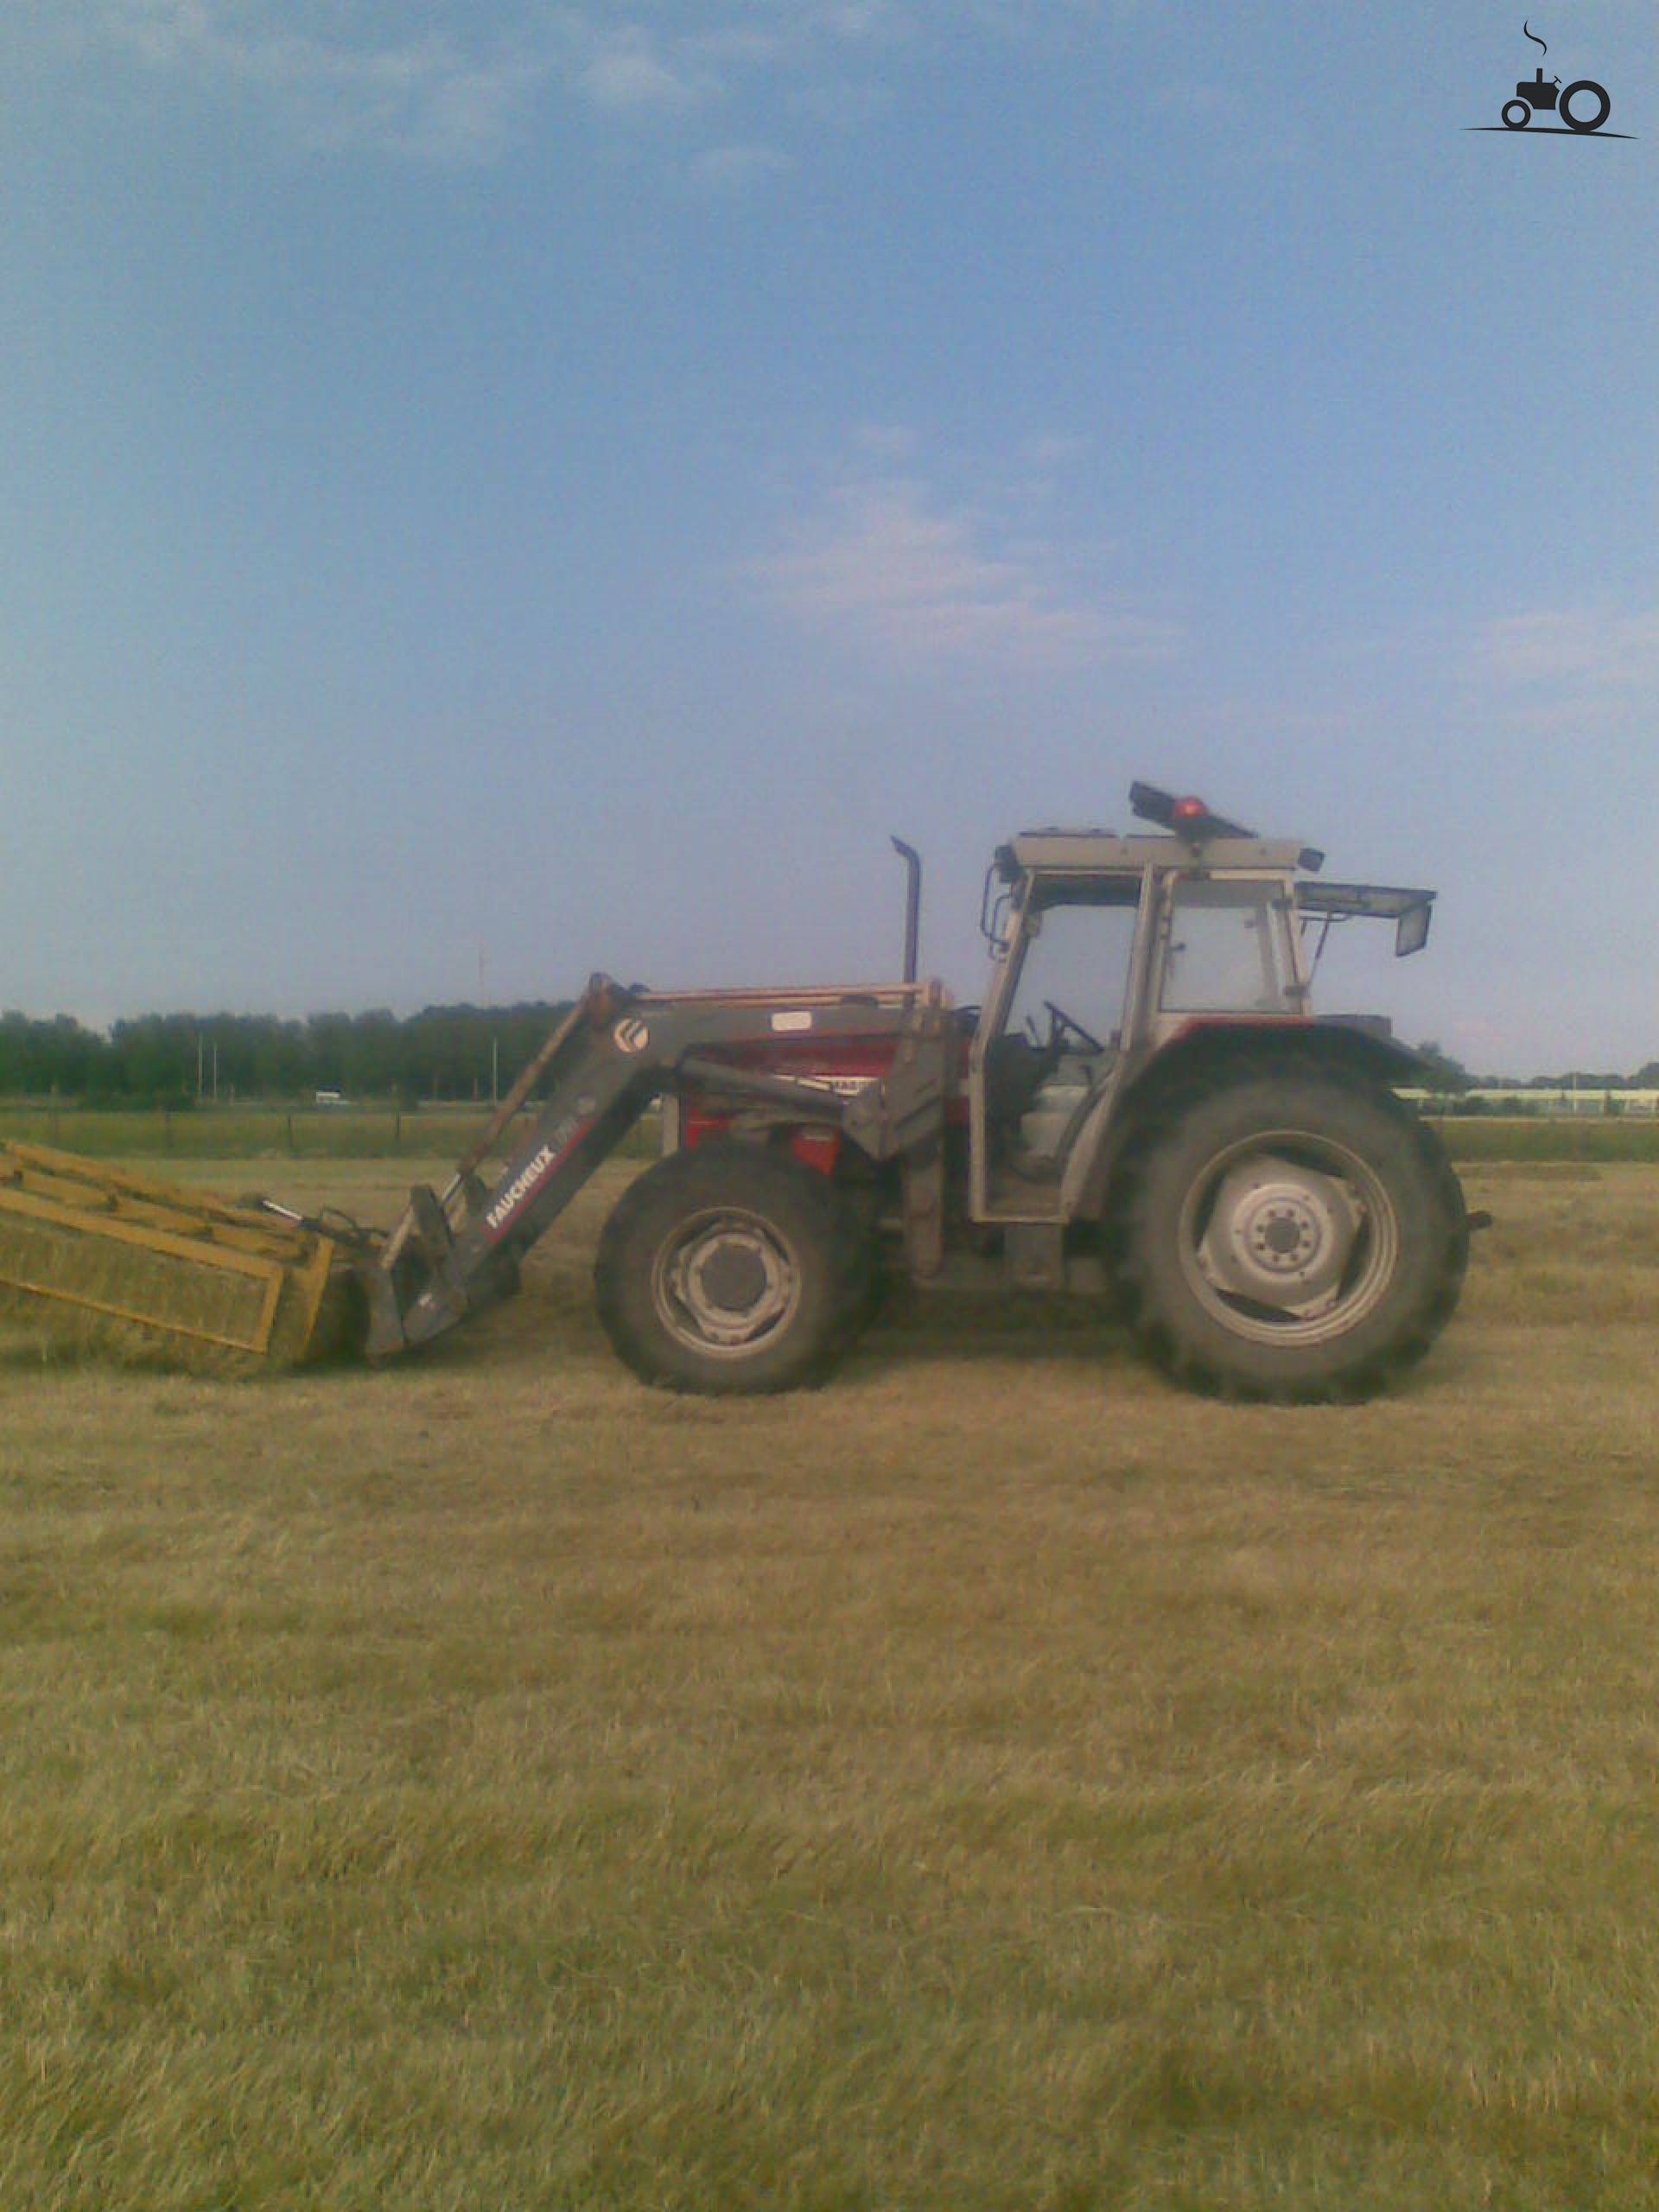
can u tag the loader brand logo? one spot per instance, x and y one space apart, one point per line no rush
522 1185
631 1034
533 1173
1580 108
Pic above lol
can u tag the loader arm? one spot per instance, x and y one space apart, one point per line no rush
457 1252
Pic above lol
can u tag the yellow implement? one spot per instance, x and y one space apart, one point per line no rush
94 1251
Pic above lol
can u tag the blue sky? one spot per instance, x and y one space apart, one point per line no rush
554 486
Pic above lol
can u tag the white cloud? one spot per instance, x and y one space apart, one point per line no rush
1049 450
887 442
735 168
459 79
629 72
882 560
1598 648
430 96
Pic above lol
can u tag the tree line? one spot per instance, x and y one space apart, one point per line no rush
444 1053
1450 1077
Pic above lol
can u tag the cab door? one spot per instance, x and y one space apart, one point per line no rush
1050 1038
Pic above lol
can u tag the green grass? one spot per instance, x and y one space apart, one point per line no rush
246 1132
384 1133
233 1133
995 1781
1584 1136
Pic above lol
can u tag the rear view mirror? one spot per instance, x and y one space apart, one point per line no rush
1411 930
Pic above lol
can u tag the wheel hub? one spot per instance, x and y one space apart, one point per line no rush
730 1276
727 1283
1280 1233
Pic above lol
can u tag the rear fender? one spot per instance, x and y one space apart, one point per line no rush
1216 1052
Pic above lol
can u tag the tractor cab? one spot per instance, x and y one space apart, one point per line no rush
1110 952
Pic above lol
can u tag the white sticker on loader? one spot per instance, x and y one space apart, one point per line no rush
519 1189
794 1019
511 1200
631 1034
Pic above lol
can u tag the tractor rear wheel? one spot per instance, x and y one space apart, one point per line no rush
1293 1236
729 1270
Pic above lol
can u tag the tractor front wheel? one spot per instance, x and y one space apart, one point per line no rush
729 1270
1291 1237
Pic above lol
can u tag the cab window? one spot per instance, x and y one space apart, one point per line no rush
1225 951
1078 960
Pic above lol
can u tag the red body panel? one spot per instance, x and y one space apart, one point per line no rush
840 1063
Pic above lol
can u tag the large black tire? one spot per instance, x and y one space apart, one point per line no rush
730 1269
1295 1235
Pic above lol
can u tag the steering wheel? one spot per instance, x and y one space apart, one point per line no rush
1060 1023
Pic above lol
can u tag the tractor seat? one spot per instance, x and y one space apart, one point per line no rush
1058 1106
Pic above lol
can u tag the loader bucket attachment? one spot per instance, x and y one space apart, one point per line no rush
96 1255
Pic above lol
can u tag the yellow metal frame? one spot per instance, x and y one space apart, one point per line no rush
65 1192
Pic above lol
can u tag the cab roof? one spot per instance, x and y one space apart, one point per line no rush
1087 852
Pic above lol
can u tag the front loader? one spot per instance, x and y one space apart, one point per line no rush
1144 1107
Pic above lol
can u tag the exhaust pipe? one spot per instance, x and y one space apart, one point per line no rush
913 861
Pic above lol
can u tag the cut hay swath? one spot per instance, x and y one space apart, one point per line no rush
95 1256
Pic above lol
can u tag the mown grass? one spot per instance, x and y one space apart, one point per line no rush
993 1781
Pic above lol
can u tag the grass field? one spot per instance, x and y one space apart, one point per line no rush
355 1133
995 1781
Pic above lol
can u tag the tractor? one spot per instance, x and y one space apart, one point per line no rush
1143 1108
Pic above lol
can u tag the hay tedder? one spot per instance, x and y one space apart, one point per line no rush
1144 1109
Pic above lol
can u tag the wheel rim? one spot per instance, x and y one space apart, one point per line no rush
726 1282
1288 1239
